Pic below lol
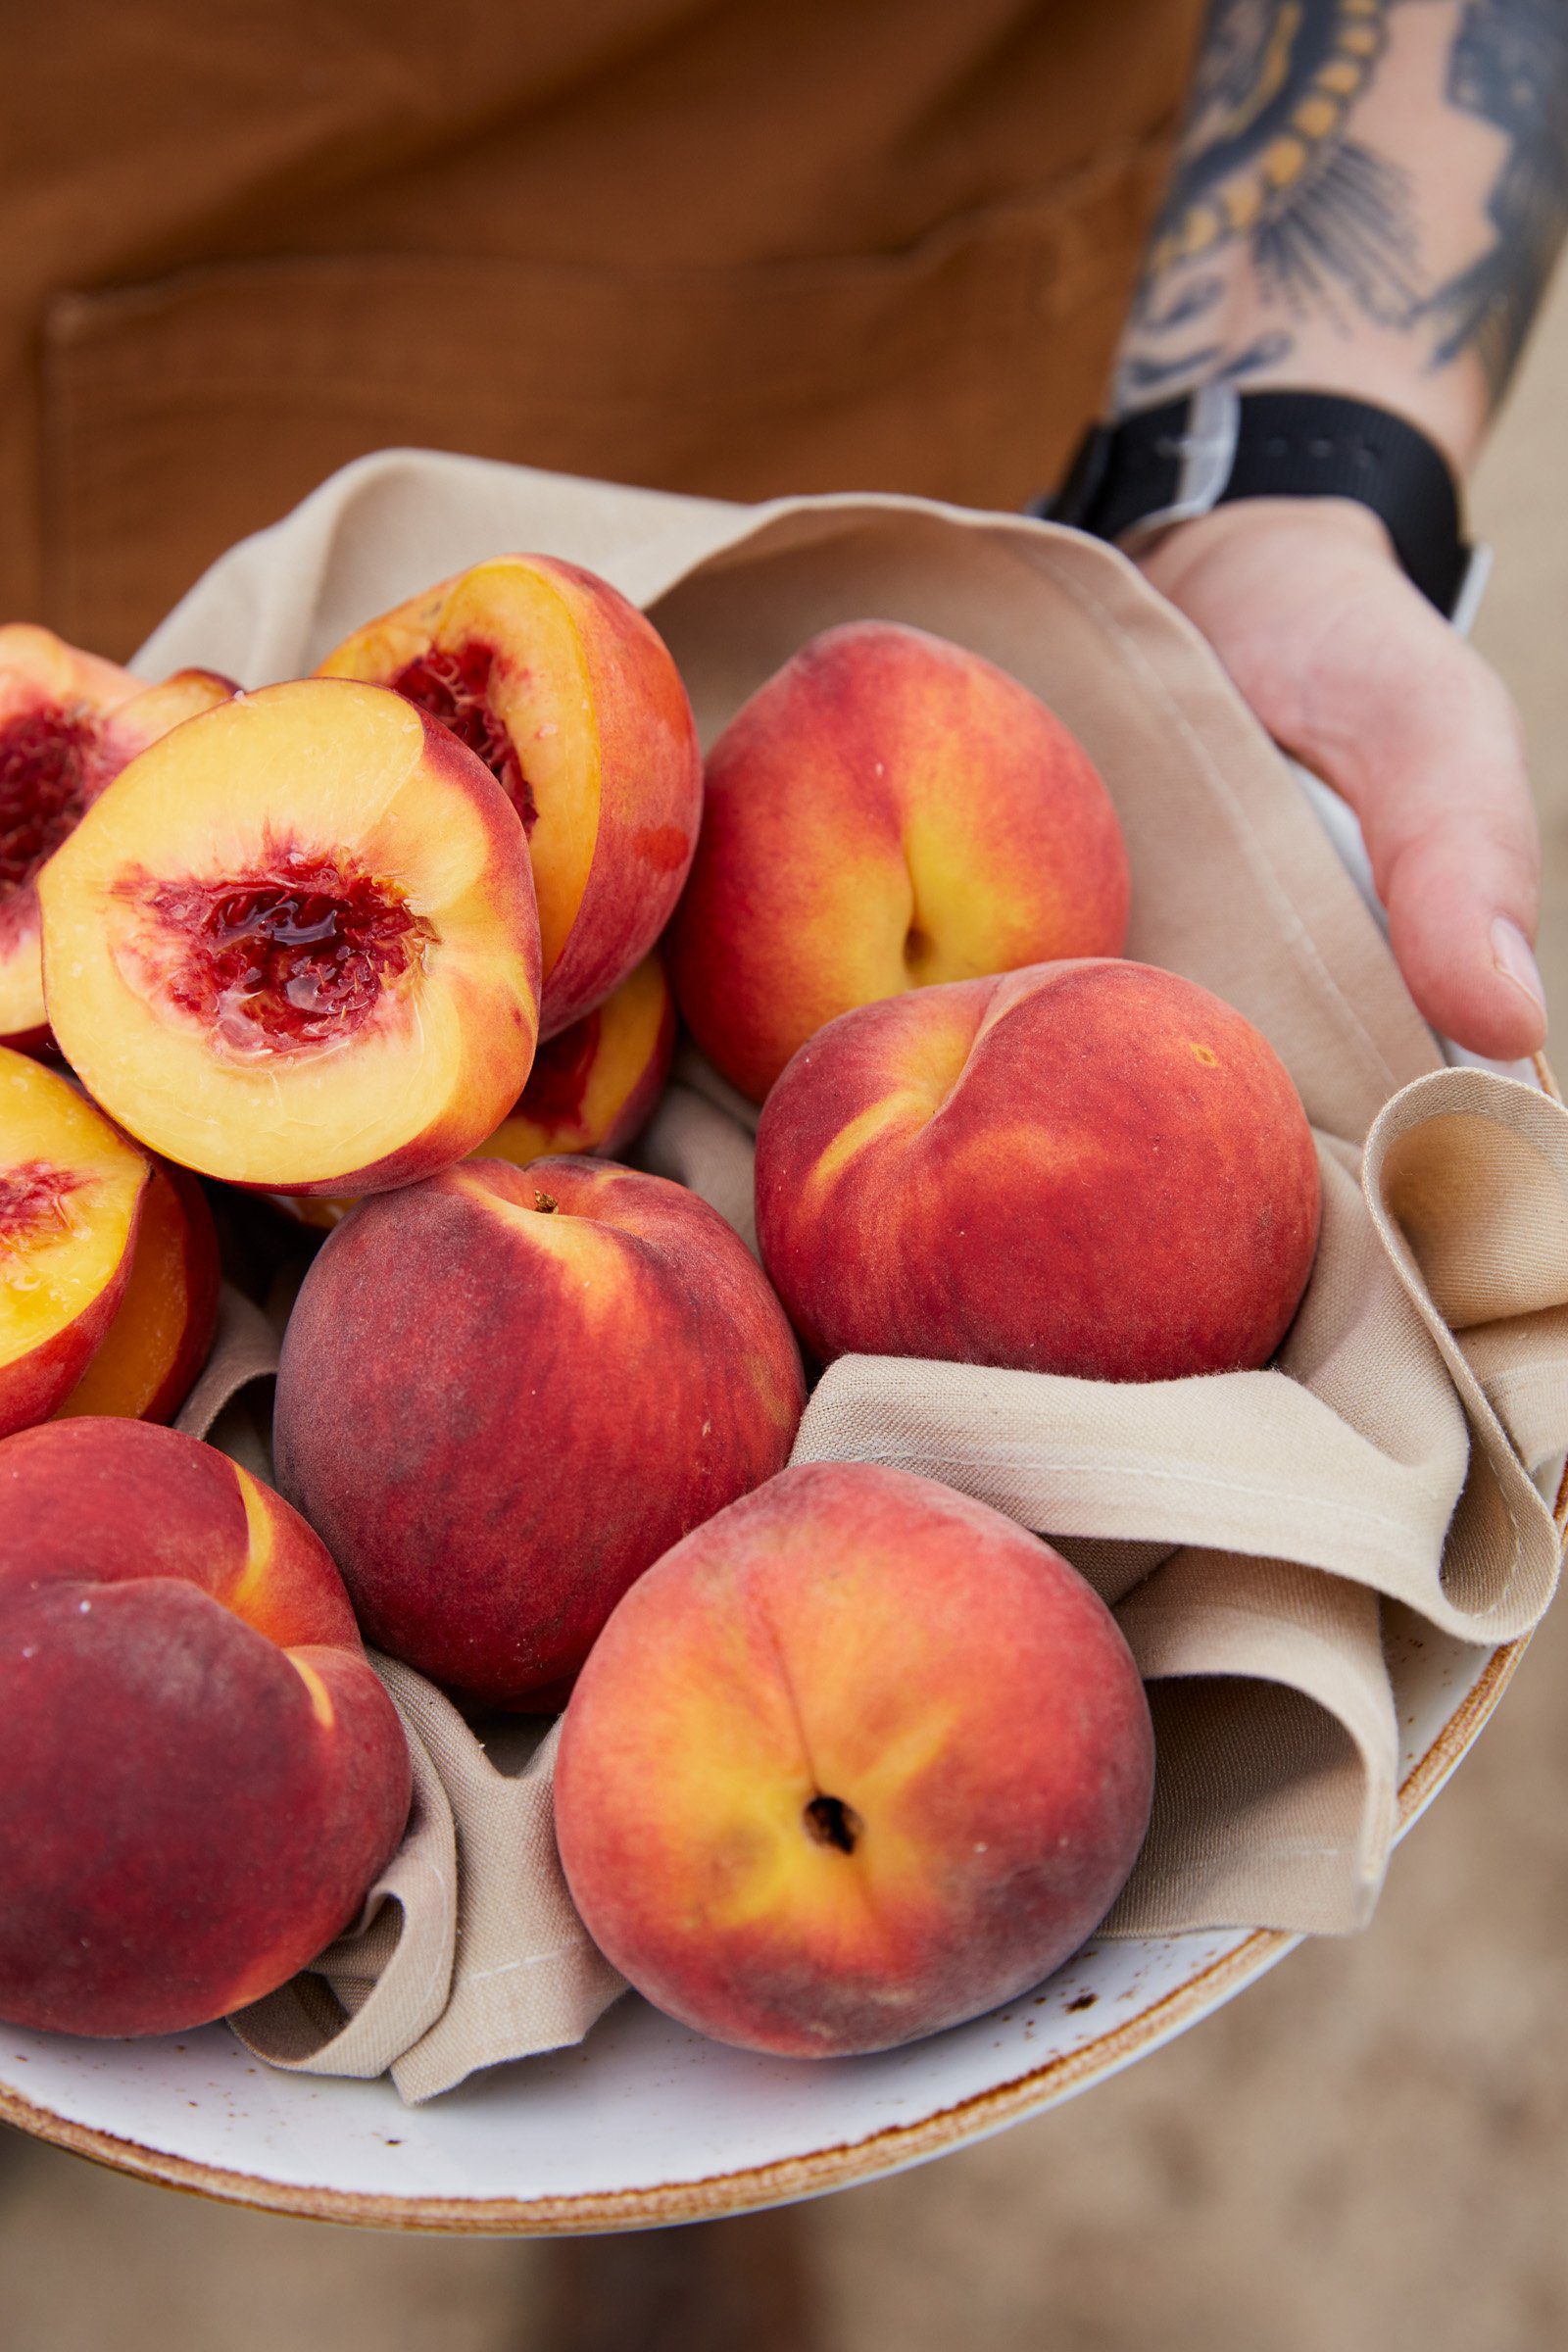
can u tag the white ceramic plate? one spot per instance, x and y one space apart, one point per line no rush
647 2122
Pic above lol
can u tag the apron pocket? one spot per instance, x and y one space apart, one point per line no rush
184 413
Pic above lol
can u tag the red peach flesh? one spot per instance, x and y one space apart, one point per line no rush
455 688
295 953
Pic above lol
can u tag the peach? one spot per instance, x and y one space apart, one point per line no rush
591 1089
1092 1167
68 722
506 1391
202 1773
71 1203
857 1760
593 1086
294 943
162 1329
889 812
570 699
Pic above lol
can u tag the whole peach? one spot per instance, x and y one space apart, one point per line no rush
886 813
857 1760
202 1773
1092 1167
505 1391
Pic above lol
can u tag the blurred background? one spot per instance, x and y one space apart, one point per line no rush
1368 2149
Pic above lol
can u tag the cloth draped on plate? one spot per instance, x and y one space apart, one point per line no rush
1272 1542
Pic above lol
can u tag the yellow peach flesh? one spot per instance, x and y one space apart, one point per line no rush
47 689
69 1191
163 1326
546 708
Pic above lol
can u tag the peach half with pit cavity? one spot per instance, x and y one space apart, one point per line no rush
68 723
71 1199
294 944
571 700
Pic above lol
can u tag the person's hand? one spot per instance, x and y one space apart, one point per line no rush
1352 671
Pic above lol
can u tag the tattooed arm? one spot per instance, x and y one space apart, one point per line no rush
1369 197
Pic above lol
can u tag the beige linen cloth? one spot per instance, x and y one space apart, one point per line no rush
1263 1535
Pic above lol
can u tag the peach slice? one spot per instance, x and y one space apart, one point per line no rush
294 944
591 1089
71 1200
162 1329
570 699
68 722
202 1773
593 1086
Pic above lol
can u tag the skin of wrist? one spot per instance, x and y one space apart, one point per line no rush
1168 556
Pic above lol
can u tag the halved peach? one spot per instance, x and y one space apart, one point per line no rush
68 722
71 1196
162 1329
570 699
294 944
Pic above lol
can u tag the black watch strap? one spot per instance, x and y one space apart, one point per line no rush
1165 465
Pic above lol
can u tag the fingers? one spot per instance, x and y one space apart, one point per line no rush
1422 739
1356 675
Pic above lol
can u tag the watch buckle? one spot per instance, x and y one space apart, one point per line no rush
1206 454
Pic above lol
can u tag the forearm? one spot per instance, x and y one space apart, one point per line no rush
1369 197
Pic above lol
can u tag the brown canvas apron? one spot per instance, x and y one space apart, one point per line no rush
735 246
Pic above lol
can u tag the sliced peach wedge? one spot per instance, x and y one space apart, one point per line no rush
68 722
571 700
71 1196
146 1361
591 1089
294 945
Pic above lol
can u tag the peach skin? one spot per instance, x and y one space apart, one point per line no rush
504 1392
68 722
886 813
294 945
202 1773
146 1361
1092 1167
570 699
71 1190
857 1760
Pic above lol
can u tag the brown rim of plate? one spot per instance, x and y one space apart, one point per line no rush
752 2186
